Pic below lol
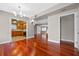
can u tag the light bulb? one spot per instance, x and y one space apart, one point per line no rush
14 13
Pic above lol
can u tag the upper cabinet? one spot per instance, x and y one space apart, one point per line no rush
14 21
21 25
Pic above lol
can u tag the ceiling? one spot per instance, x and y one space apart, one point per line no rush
27 9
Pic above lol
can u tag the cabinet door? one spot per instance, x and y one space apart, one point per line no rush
21 25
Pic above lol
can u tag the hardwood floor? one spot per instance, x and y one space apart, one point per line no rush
37 46
67 49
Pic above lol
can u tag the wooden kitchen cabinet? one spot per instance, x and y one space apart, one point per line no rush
21 25
17 33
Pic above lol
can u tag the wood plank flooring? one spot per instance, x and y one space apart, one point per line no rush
37 46
68 49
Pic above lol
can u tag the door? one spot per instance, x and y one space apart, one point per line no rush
67 29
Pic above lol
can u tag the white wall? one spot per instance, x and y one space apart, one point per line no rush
54 29
54 26
5 22
42 21
67 28
30 33
30 29
77 30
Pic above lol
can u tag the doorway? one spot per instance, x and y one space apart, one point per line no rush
41 33
18 31
67 30
44 32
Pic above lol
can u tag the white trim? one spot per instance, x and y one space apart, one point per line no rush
30 37
54 41
67 40
5 42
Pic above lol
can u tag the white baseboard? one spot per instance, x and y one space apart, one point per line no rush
67 40
76 47
54 41
5 42
30 37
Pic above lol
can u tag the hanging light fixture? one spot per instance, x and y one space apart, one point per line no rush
19 13
20 10
32 19
14 13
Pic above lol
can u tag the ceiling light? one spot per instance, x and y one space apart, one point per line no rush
32 22
24 15
14 13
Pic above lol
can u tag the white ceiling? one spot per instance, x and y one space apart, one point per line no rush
28 9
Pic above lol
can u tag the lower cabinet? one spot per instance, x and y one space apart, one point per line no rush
18 33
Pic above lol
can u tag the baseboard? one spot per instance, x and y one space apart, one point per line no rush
30 37
54 41
68 41
5 42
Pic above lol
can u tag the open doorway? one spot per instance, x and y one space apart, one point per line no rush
44 33
67 30
42 30
18 31
41 33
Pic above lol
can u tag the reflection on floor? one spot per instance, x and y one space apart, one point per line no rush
37 46
67 48
17 38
